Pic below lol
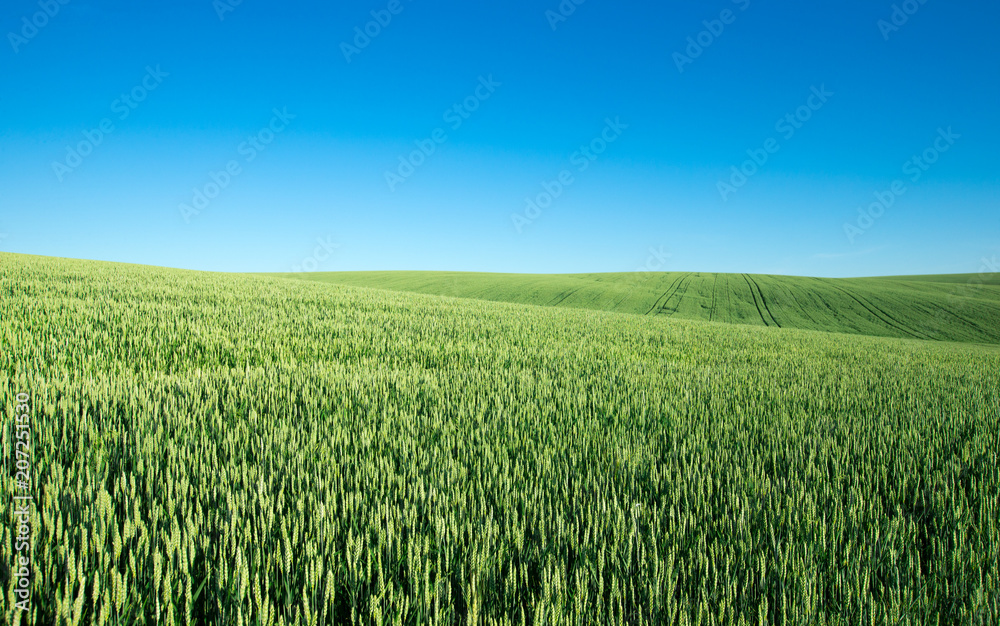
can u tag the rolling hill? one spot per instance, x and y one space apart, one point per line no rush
946 308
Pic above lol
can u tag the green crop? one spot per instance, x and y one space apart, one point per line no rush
236 449
948 308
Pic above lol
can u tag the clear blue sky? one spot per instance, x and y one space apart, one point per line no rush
867 91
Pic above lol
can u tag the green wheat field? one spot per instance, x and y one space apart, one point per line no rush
443 448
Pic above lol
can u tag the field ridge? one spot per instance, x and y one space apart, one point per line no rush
962 308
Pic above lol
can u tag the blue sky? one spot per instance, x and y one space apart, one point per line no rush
517 136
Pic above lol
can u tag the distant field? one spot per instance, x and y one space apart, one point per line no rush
947 308
972 280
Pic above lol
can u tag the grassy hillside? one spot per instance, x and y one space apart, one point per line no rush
937 308
970 281
242 449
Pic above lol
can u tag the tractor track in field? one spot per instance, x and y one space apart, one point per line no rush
666 294
755 303
763 301
884 317
686 284
968 323
617 304
560 301
629 292
819 296
715 296
804 310
633 285
729 300
905 327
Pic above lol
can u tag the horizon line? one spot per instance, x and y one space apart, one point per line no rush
497 273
